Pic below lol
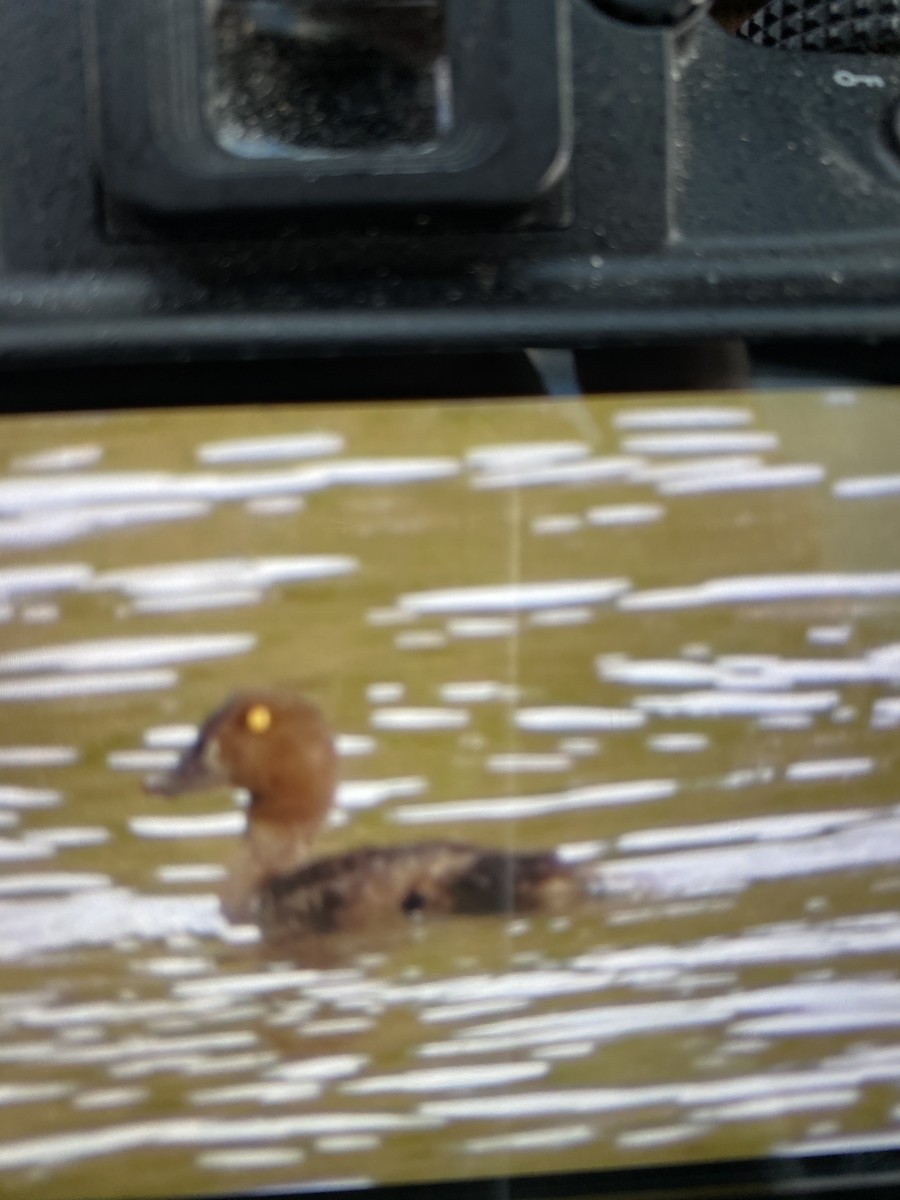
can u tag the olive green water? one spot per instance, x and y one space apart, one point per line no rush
703 703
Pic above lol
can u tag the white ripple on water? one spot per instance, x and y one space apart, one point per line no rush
745 829
573 718
347 1143
37 756
337 1027
768 1108
511 455
787 475
263 983
355 745
764 671
482 627
37 614
13 796
123 654
886 713
32 1093
387 617
579 852
66 1148
481 989
701 442
275 506
555 1137
90 912
705 704
567 1050
603 795
250 1160
191 1065
385 692
420 639
204 576
22 851
190 873
145 1051
800 1024
514 597
186 602
170 737
849 1144
57 526
555 526
678 743
52 883
69 837
829 635
659 1135
625 514
865 487
270 449
527 764
573 474
441 1079
470 1010
657 474
355 794
77 686
478 691
812 1003
579 747
141 760
756 589
420 720
257 1093
829 768
60 458
120 1097
556 617
31 494
691 1096
387 471
327 1067
204 825
860 845
789 720
609 1023
25 581
174 966
705 416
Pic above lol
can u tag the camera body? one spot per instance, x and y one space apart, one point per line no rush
260 106
221 177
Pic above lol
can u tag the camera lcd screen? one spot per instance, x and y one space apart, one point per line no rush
658 638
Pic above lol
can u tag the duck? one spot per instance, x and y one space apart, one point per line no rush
281 750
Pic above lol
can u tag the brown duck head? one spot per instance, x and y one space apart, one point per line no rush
281 750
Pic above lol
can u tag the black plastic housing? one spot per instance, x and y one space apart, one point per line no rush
713 189
505 146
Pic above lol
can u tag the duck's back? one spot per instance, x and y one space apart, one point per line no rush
375 886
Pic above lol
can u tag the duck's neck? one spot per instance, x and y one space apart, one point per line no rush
269 850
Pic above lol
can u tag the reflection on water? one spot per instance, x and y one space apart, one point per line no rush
662 637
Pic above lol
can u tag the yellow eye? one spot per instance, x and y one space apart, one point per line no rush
258 718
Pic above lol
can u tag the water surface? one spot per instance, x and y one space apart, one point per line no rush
662 635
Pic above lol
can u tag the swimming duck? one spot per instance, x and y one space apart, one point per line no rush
281 749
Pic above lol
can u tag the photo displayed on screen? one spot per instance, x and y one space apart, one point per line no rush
401 793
